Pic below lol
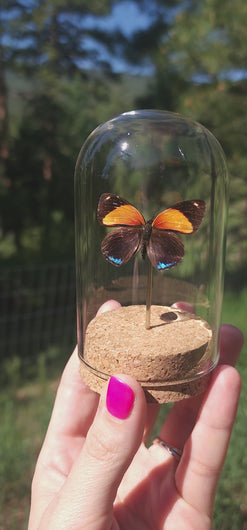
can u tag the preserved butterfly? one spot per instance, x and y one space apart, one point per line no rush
155 237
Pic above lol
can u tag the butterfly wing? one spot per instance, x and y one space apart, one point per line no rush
121 244
164 249
184 217
116 211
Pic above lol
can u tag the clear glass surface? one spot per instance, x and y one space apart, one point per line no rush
153 159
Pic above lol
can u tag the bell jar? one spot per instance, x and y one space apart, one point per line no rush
150 220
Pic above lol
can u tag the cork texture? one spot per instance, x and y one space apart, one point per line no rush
174 349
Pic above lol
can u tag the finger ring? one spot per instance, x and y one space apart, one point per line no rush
174 451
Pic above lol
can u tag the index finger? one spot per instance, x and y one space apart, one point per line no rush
231 341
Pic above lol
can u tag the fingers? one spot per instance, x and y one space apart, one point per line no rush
230 344
231 338
111 443
108 306
205 451
152 408
73 413
69 417
185 306
182 417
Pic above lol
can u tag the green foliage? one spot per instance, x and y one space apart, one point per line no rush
12 372
198 54
235 309
42 134
200 71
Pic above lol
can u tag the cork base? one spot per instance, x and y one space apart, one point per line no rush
166 359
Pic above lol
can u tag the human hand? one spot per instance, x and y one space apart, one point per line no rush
94 471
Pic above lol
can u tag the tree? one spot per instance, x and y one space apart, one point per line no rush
48 45
199 59
10 12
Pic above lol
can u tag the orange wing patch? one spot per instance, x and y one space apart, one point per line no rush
172 219
126 215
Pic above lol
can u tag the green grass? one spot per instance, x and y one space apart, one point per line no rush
25 411
235 309
25 414
231 499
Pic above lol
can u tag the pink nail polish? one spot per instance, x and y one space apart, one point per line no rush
120 398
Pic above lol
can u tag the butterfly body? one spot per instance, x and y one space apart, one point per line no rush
156 237
146 234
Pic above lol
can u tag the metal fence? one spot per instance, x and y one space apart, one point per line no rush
37 309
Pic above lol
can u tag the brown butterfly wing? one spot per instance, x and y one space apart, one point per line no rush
164 249
121 244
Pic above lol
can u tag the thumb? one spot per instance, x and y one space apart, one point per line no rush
109 448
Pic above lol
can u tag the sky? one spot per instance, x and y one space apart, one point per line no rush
127 17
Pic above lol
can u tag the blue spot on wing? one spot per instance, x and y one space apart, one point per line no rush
117 261
162 266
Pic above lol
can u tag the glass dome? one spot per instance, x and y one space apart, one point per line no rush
150 213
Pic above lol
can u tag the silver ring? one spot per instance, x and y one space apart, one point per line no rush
174 451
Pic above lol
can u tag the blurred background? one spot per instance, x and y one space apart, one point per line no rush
65 67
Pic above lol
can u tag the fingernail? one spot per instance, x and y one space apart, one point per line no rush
119 399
